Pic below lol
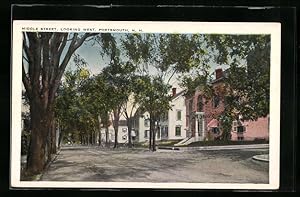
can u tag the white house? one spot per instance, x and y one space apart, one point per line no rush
122 132
172 124
142 127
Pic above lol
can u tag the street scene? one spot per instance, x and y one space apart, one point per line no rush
140 165
145 107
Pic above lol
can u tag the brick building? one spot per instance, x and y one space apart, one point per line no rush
202 116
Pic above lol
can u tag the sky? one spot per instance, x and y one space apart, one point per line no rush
91 54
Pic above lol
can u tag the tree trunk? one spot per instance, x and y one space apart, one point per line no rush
116 135
95 137
88 139
106 136
41 120
53 136
99 139
152 134
80 139
129 125
116 118
60 138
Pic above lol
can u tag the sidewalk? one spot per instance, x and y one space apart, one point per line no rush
226 147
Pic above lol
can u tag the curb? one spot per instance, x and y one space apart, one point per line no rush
259 158
168 148
225 147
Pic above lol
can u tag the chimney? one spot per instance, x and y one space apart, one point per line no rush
173 92
219 73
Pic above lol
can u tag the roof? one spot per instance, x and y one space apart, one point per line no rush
178 94
213 123
224 75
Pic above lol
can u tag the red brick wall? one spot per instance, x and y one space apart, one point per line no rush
258 129
254 129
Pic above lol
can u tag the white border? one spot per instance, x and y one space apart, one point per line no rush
274 29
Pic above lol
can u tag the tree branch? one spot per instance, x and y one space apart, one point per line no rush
62 44
172 75
75 44
133 106
26 81
26 48
25 59
29 55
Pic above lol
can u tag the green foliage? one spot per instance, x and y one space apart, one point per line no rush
72 108
248 86
199 82
152 94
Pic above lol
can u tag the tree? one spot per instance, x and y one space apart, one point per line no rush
152 94
158 58
72 108
45 57
129 108
248 83
120 79
118 74
98 94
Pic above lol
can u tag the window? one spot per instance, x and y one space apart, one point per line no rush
234 125
178 114
124 130
240 129
200 127
146 134
216 101
178 131
164 131
241 138
199 103
215 130
147 123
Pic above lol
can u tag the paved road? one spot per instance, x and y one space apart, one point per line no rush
137 165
